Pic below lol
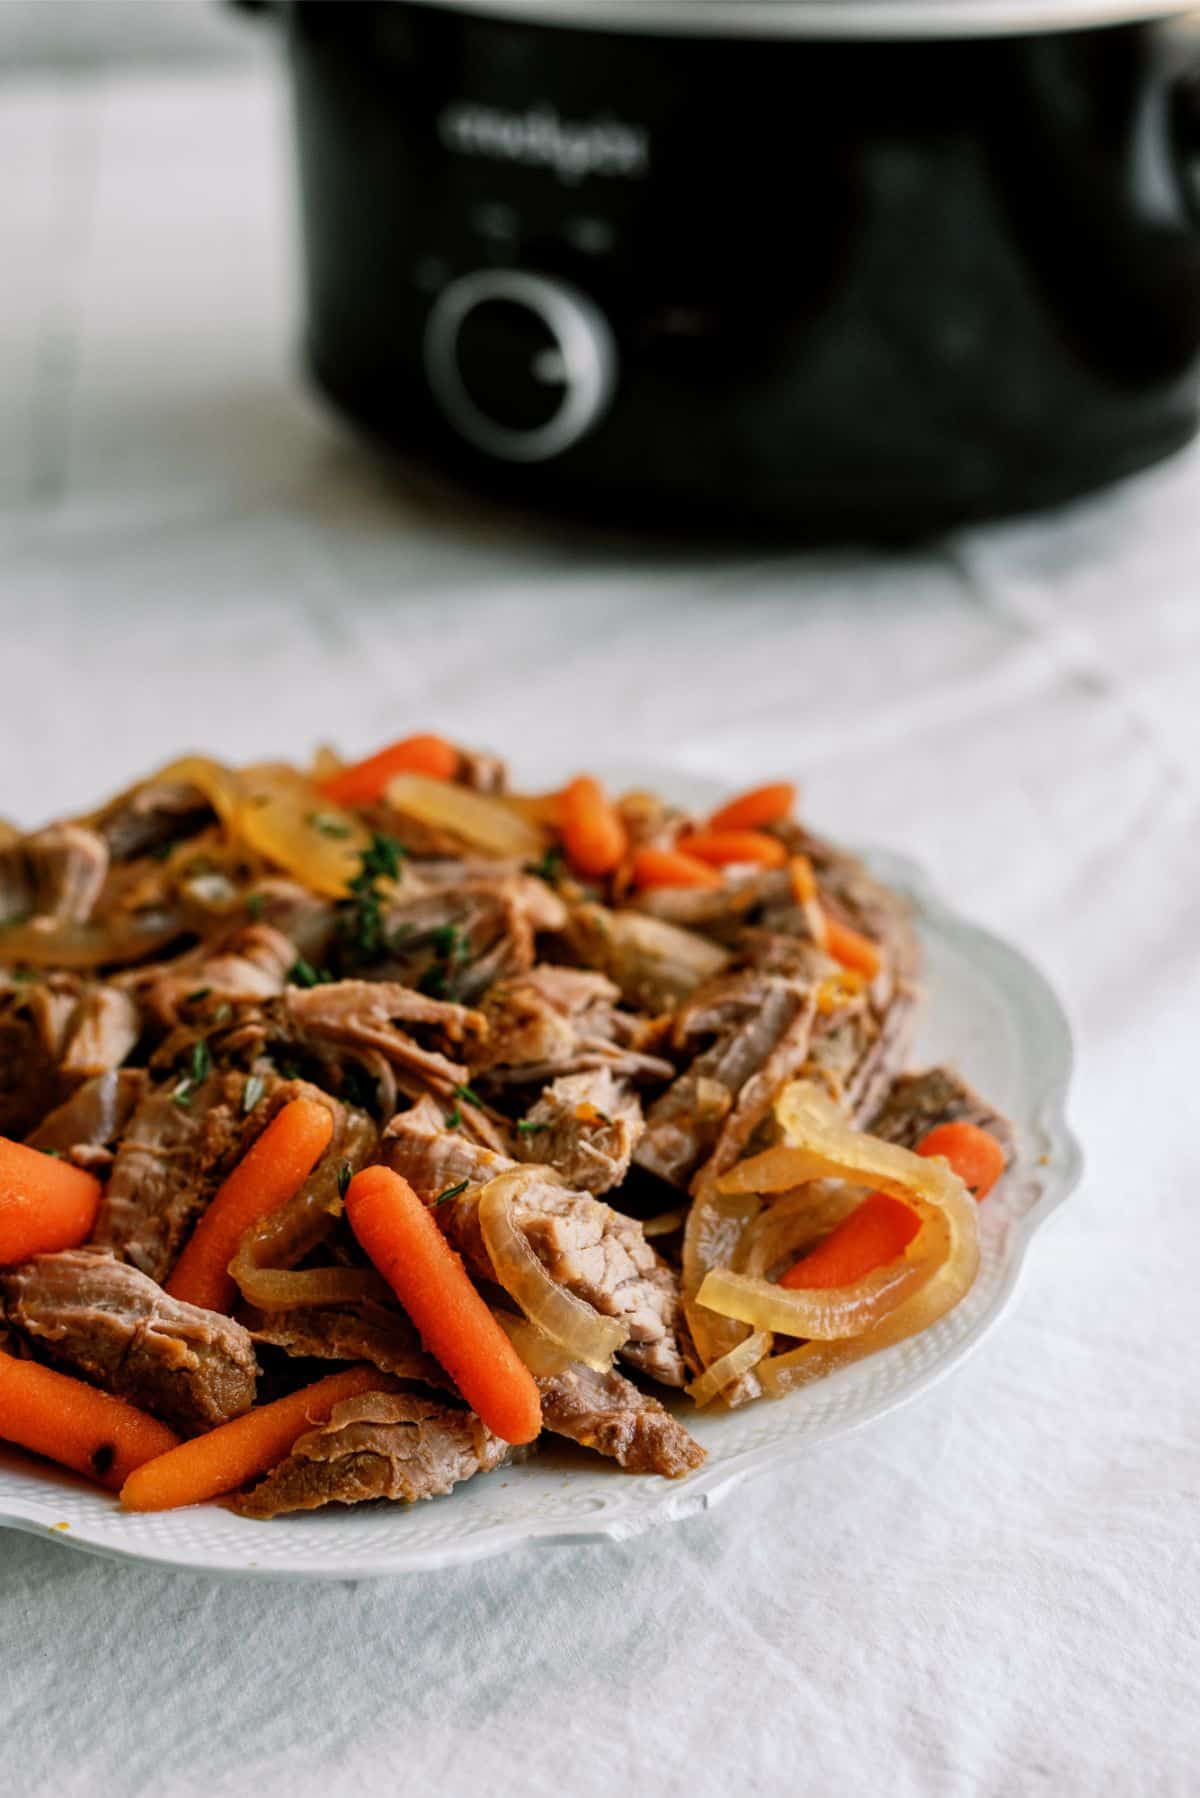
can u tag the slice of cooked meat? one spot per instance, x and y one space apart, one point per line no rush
457 938
85 1128
53 873
856 1052
597 1253
556 1021
177 1149
718 912
759 1027
117 1328
917 1103
103 1031
585 1126
365 1016
378 1445
607 1412
30 1082
362 1332
484 772
850 893
253 965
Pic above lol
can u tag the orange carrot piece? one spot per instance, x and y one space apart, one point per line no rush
234 1453
363 782
45 1204
723 848
594 834
852 948
269 1173
671 868
76 1425
974 1154
762 805
876 1232
402 1239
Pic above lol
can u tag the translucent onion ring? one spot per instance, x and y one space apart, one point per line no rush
541 1356
65 945
282 1289
739 1361
712 1237
559 1314
792 1223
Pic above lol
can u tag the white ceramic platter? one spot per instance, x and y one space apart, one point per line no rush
986 1010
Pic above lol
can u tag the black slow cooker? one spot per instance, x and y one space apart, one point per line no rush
830 265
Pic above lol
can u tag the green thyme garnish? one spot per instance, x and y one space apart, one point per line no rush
302 973
223 1013
433 982
181 1094
452 1192
201 992
527 1127
344 1177
252 1092
254 906
360 917
550 866
201 1061
328 827
469 1094
455 1118
54 1154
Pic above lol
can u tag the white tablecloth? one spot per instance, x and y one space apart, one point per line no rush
995 1591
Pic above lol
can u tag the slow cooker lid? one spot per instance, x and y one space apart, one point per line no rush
827 18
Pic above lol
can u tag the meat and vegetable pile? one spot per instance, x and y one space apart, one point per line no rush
359 1125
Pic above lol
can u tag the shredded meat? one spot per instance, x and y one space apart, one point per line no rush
556 1021
362 1332
116 1327
253 965
607 1412
54 873
585 1126
104 1029
365 1016
379 1445
86 1126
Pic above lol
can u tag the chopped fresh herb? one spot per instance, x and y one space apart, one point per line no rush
452 1192
161 852
550 866
201 1062
182 1093
328 827
302 973
360 917
252 1092
433 982
527 1127
290 1070
450 943
254 905
455 1118
23 975
223 1013
54 1154
467 1093
344 1178
201 992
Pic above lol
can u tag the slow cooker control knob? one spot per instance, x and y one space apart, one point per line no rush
521 365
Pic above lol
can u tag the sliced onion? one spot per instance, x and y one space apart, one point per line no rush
480 819
281 1289
740 1360
559 1314
112 944
713 1237
221 786
541 1356
943 1256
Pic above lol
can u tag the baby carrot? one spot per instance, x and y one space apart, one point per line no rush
974 1154
45 1204
852 948
876 1232
403 1240
724 848
269 1173
671 868
236 1452
363 782
76 1425
594 834
762 805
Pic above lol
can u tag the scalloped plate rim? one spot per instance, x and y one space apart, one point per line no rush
715 1482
